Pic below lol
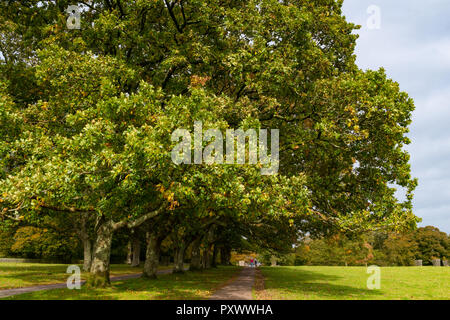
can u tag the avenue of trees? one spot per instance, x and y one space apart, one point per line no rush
86 117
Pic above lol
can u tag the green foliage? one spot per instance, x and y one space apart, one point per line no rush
337 250
432 244
6 241
31 242
401 249
87 115
382 249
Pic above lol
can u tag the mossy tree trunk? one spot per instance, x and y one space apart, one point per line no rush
207 257
87 254
99 276
129 252
136 245
225 256
152 255
196 261
83 232
179 257
214 257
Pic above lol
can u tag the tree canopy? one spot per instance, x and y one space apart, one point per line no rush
87 117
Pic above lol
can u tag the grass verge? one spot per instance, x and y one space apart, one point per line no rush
197 285
20 275
350 283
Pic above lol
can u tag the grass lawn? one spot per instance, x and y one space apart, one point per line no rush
19 275
344 283
190 285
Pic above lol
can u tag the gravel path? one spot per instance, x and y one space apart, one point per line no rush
239 289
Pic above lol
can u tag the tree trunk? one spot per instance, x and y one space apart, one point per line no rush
99 276
225 256
179 257
83 233
136 244
210 238
207 257
214 257
152 255
196 263
87 254
129 253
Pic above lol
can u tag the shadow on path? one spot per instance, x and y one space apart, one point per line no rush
239 289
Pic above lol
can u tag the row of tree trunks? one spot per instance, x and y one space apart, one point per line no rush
207 258
105 228
98 255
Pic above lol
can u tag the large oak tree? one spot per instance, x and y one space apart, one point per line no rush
87 117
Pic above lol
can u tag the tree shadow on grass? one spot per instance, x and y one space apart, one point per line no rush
196 285
27 275
11 277
34 268
189 285
305 284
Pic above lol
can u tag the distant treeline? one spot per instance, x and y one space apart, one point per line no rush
382 249
51 244
379 248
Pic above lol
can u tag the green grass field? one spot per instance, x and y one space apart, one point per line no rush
190 285
294 283
330 283
19 275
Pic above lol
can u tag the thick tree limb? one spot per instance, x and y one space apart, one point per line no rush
65 209
138 221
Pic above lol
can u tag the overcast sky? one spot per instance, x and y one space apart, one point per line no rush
413 44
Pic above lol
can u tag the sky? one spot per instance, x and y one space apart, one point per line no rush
411 40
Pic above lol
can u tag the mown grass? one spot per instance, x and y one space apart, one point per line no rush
19 275
190 285
350 283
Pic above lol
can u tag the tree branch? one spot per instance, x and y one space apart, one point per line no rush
65 209
172 15
138 221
